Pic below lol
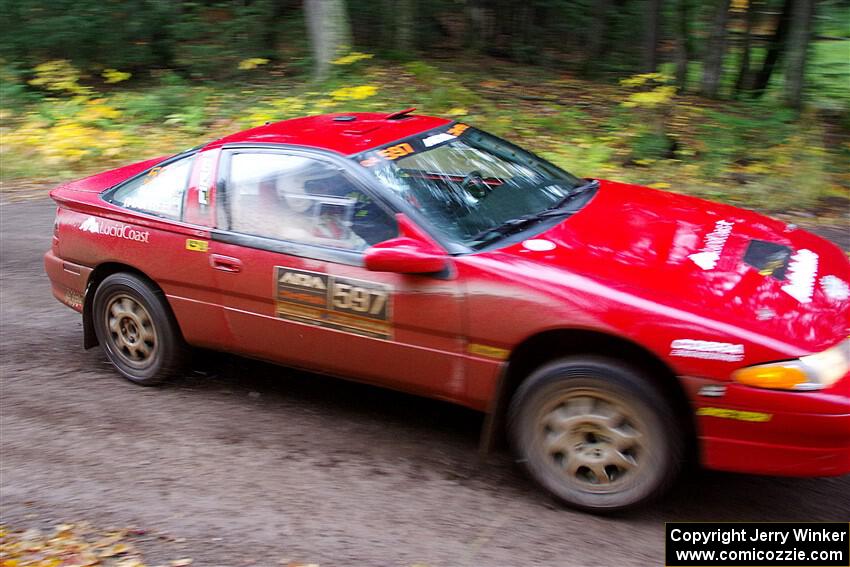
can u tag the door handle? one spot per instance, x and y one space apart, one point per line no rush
225 263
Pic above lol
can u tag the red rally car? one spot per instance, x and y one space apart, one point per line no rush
609 329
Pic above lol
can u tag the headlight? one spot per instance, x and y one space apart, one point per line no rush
813 372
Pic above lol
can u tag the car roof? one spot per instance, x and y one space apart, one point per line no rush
345 133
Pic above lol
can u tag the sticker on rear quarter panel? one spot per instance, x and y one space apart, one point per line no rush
95 226
346 304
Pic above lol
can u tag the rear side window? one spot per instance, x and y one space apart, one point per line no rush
159 191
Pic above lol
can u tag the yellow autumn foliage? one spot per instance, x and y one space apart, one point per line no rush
98 109
289 105
354 93
252 63
644 78
67 141
352 57
59 76
115 76
657 96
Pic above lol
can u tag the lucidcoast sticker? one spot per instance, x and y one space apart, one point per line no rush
95 226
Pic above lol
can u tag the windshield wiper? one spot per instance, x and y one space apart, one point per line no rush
512 226
518 224
575 192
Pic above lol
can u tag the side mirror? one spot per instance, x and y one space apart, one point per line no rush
405 256
414 252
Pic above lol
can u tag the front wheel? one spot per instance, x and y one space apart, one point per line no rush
595 434
136 330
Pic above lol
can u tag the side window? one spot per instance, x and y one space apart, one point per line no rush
159 192
302 200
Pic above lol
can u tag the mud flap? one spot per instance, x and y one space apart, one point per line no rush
493 428
89 335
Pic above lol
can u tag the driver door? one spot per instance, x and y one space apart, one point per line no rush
288 260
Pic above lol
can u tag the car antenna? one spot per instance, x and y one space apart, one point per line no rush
400 114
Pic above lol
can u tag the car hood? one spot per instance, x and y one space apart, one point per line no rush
717 260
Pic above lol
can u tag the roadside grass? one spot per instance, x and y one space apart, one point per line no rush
638 130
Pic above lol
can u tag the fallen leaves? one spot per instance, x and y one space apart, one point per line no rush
79 545
117 549
72 545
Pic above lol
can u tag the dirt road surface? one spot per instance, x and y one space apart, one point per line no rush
242 463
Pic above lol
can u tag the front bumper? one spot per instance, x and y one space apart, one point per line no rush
773 432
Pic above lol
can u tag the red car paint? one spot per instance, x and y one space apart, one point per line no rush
369 130
622 266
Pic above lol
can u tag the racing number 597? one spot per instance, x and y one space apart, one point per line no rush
359 299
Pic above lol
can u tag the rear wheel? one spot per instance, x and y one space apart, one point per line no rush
136 329
595 434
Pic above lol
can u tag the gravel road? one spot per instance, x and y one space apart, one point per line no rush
243 463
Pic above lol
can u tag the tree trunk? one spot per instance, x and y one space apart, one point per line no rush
650 47
799 37
330 34
405 41
598 39
744 81
712 63
479 23
683 48
774 50
385 28
272 28
525 42
162 36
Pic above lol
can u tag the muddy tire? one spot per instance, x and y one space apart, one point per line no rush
136 329
595 433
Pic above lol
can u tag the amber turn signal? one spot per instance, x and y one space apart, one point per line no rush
773 377
812 372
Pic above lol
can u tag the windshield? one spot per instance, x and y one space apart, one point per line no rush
468 183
